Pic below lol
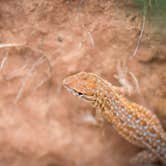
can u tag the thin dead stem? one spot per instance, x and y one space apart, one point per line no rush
89 36
91 39
135 82
4 45
16 72
140 37
4 60
42 82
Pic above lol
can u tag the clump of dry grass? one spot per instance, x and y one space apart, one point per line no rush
29 73
26 75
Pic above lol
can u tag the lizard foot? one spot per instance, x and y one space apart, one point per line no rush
123 79
94 120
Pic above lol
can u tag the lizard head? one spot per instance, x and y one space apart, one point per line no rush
82 84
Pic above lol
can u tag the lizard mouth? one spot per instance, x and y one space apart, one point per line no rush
79 94
74 92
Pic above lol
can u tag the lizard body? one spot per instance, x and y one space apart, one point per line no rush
133 122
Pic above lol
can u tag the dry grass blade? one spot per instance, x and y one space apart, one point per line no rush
29 73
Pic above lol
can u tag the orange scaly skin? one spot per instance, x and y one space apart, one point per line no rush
133 122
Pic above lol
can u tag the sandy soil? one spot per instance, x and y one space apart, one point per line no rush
40 123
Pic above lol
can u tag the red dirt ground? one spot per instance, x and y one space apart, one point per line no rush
40 123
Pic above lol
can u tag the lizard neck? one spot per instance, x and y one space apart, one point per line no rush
103 95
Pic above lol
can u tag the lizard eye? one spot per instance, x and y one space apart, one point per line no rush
80 94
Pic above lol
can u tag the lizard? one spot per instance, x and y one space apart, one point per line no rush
135 123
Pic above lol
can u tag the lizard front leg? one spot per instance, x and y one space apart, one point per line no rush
99 118
123 78
144 158
94 119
